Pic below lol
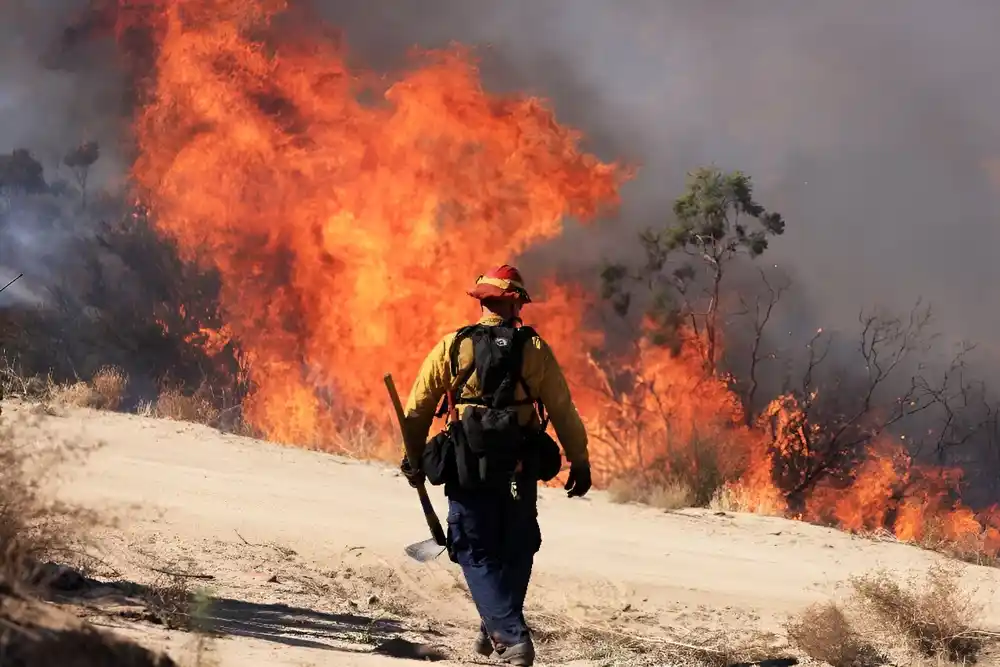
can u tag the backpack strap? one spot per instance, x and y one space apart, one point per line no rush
526 333
449 403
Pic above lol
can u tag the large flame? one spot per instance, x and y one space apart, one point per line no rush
346 216
344 230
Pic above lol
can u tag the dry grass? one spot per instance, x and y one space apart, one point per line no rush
198 408
77 395
671 495
105 391
32 528
203 406
734 498
610 645
935 615
109 384
364 441
169 599
931 617
824 633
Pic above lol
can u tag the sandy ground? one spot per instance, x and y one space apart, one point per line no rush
305 551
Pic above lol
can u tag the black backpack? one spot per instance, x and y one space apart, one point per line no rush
484 441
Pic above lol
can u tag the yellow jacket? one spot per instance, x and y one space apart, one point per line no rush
540 370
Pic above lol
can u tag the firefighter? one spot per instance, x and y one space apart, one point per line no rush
493 532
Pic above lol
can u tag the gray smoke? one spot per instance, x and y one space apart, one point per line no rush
870 126
49 111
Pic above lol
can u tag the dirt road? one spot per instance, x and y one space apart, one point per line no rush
305 552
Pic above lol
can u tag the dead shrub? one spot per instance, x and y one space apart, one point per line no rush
197 408
169 599
16 382
611 645
624 490
34 529
824 633
109 384
735 498
688 473
934 615
670 495
77 395
362 440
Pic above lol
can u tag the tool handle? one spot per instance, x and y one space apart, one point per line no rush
390 385
437 532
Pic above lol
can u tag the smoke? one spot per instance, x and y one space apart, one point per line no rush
50 110
871 126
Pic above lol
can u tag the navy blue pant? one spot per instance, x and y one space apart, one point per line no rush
494 538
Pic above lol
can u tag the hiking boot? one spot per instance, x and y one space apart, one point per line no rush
519 655
483 644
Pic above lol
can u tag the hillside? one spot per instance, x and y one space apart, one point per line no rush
305 554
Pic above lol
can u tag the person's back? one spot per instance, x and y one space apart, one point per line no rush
496 378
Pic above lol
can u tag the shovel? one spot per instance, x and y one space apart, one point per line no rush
427 550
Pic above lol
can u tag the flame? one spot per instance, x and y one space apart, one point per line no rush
343 230
346 214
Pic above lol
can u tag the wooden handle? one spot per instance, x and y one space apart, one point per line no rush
425 502
390 385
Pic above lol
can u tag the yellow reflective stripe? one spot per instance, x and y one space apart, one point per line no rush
500 282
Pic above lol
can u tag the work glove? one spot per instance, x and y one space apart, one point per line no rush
579 480
414 477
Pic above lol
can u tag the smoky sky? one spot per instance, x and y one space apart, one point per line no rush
872 126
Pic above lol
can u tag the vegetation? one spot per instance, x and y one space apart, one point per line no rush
892 622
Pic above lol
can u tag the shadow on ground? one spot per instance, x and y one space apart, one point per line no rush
227 617
296 626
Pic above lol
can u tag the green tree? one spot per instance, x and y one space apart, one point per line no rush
715 221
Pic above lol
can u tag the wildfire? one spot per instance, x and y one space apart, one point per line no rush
345 216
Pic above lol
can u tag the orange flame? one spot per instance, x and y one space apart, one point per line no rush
344 231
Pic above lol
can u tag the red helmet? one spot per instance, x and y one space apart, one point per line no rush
503 282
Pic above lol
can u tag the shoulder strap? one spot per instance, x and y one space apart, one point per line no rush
459 378
524 334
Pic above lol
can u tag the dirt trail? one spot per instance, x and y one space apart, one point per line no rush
305 551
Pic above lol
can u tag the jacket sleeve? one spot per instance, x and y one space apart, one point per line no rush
432 382
549 384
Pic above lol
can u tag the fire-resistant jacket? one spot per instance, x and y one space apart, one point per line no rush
541 373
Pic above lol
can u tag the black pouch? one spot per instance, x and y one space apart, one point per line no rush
438 460
494 443
546 458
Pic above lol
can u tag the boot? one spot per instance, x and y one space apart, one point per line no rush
521 654
483 644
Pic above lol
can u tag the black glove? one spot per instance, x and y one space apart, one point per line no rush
579 480
414 477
